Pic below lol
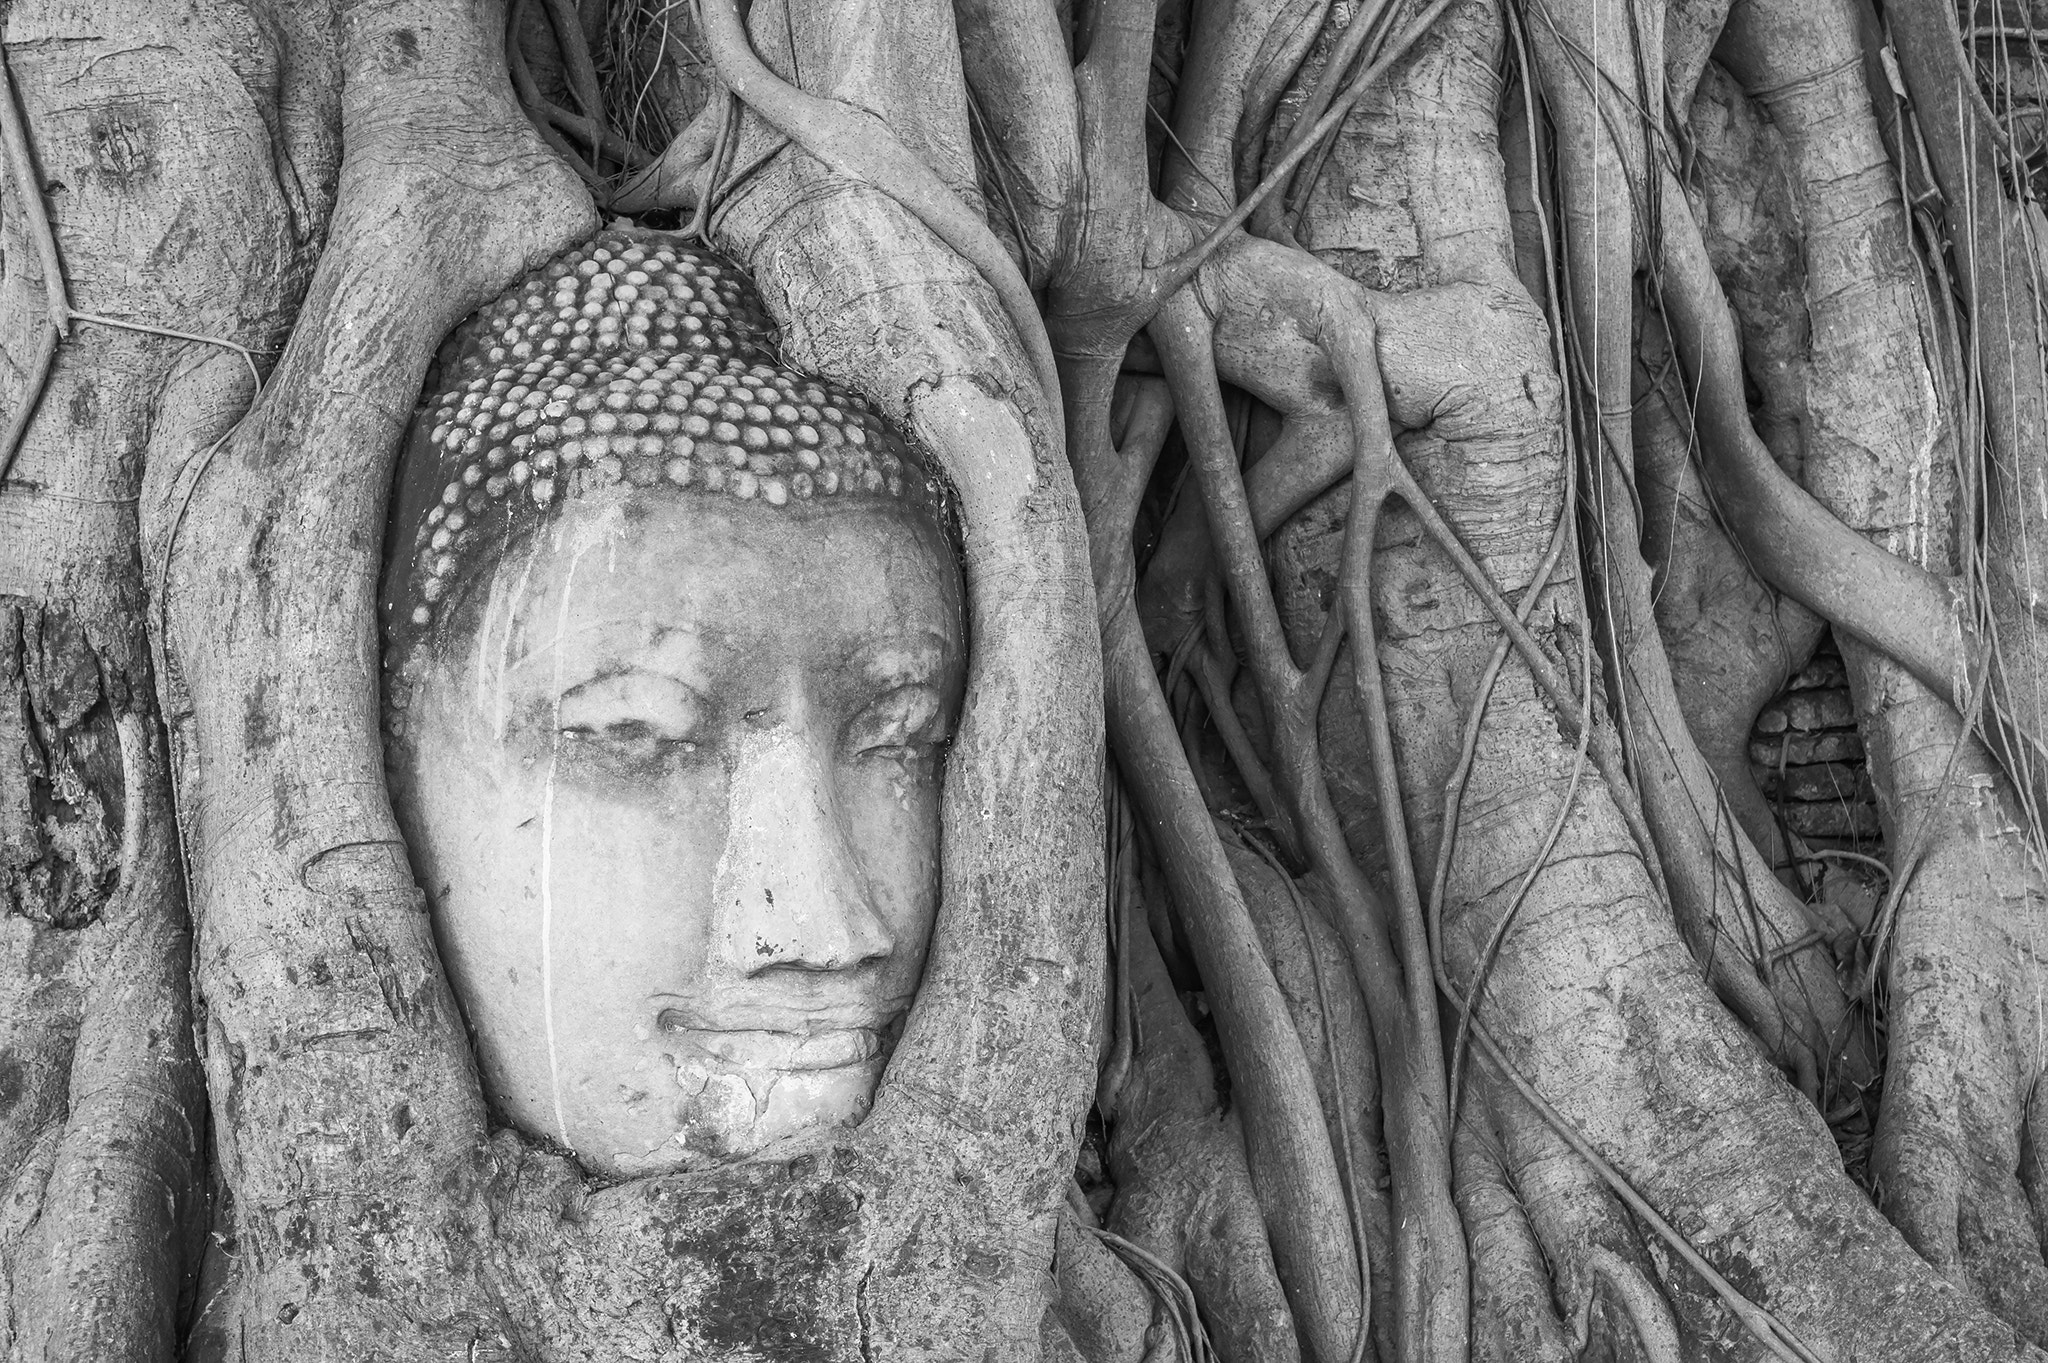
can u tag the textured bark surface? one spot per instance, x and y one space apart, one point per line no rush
315 959
1679 312
103 1110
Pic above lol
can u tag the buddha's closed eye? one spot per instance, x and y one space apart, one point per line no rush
905 721
636 721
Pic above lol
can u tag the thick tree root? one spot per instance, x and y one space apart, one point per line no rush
1184 1192
1952 1156
1948 1154
1294 922
340 1055
855 142
1594 998
1292 1158
104 1126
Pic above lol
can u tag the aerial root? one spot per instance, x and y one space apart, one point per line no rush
555 124
20 167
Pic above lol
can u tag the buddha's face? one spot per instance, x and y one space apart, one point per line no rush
672 783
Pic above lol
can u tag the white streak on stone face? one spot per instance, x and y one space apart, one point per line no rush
584 542
494 644
547 955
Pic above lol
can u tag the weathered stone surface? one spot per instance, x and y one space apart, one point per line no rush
1809 758
1825 672
1819 781
1808 711
1832 820
1793 749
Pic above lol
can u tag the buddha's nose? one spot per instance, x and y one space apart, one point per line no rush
788 891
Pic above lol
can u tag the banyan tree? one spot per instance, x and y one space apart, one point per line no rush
1077 679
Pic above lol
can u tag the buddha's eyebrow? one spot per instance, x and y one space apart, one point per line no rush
901 659
619 646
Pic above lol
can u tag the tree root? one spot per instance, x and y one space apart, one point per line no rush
1389 954
1295 926
429 128
1292 1160
1905 612
1949 1149
1604 1279
103 1240
1184 1192
1514 1316
1733 641
1103 1308
854 142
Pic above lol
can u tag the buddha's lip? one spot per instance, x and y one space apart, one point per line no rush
754 1048
796 1018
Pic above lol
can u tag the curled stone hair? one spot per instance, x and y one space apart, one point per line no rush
633 359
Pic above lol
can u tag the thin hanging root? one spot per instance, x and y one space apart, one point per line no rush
1379 473
529 96
1294 1168
1281 54
575 49
1293 1162
20 166
725 142
854 142
1171 1291
685 173
1364 34
552 121
39 366
1430 1272
1491 952
1352 347
1350 43
1454 788
1607 756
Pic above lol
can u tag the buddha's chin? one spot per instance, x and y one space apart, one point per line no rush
727 1110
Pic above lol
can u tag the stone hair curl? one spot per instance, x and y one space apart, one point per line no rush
637 360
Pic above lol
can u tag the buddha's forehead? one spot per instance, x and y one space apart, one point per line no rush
635 364
660 571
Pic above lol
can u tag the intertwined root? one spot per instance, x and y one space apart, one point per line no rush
1427 621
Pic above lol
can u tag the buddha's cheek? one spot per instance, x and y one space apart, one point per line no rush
627 909
591 908
892 818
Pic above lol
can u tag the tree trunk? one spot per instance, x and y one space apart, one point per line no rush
1400 449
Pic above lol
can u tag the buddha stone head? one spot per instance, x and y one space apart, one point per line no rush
674 644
